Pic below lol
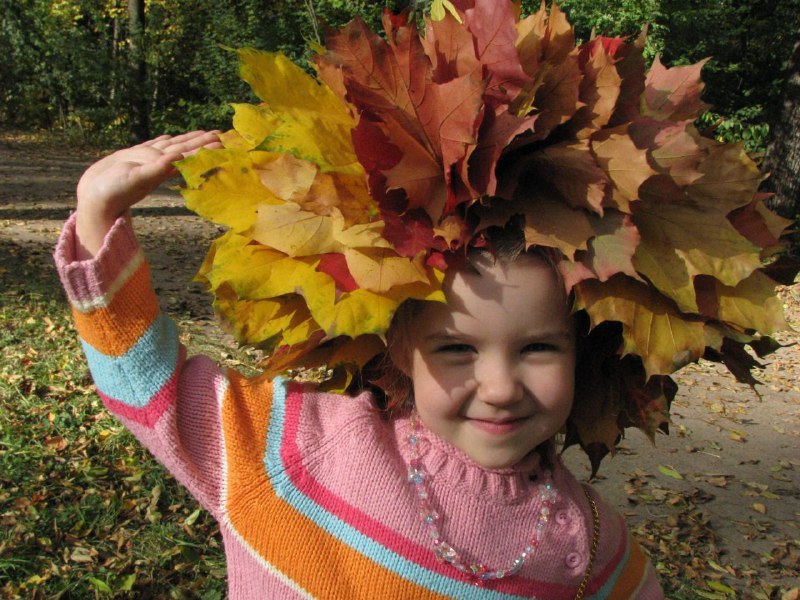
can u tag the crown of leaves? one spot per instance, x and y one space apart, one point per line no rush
346 194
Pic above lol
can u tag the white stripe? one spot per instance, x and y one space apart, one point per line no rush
105 300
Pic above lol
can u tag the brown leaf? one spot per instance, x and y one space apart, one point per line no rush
626 165
599 90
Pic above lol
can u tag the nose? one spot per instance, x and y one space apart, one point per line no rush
498 382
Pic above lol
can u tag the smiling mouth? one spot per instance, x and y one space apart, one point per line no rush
498 427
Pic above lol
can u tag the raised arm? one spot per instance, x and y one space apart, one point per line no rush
112 185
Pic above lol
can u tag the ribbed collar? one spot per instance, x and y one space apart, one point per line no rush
449 466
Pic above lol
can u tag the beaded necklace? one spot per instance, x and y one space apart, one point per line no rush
478 573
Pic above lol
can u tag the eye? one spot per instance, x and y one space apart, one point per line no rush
540 347
455 349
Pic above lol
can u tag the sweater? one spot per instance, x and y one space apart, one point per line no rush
311 489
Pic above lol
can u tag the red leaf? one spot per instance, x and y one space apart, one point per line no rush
494 26
410 233
451 49
335 265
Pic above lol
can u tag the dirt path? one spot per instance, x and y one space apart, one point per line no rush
717 501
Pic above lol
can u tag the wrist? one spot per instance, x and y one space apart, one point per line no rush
91 228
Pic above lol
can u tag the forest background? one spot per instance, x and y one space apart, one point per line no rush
85 512
114 71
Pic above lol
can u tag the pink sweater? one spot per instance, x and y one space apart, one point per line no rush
310 489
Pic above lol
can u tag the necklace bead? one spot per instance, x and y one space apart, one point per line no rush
478 573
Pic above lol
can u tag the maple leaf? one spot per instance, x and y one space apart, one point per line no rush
678 149
493 26
631 70
547 222
554 96
314 123
410 234
495 134
723 254
451 50
542 37
752 305
229 193
729 178
758 224
599 88
613 245
673 93
626 165
651 325
296 232
571 169
381 269
254 123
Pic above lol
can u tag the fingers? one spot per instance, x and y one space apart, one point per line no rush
184 142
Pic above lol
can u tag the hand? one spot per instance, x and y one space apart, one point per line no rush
115 183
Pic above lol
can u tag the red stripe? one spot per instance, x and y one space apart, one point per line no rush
353 516
149 414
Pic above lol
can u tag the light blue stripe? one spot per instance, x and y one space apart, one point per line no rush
136 376
344 532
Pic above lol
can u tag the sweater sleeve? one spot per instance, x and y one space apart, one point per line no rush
171 404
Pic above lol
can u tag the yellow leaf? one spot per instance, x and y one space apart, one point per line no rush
380 269
253 123
724 254
651 326
759 508
197 168
730 179
626 165
293 231
287 177
314 124
669 472
256 321
752 304
356 313
230 194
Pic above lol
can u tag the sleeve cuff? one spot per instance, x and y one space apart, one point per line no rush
91 278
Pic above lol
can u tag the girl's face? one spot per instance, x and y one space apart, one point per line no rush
493 370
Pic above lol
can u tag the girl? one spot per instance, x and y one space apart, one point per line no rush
322 496
442 216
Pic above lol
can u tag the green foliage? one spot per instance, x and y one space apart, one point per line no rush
614 18
65 61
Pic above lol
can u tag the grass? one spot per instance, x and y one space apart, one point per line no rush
84 510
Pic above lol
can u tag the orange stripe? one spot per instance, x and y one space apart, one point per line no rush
630 580
288 540
115 329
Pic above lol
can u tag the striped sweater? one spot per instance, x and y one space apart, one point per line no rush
310 489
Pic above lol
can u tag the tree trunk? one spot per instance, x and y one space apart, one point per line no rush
783 154
139 124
